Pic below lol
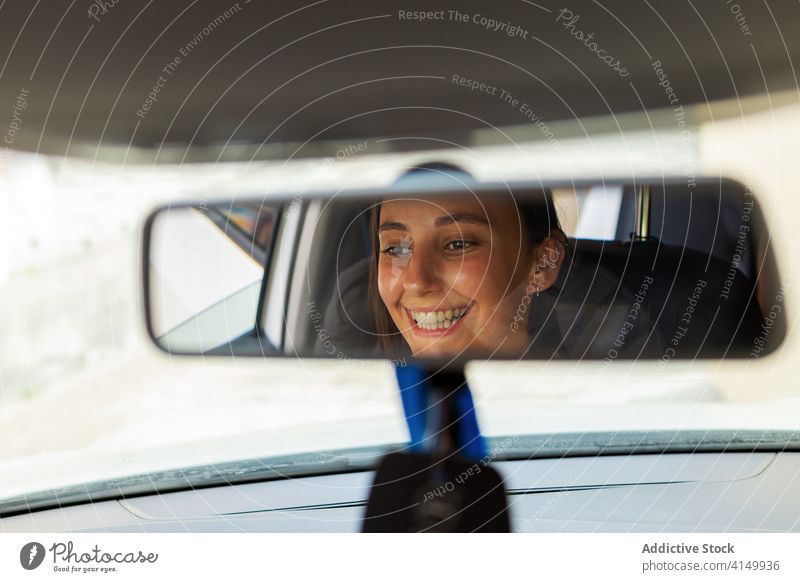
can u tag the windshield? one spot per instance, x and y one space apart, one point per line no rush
86 399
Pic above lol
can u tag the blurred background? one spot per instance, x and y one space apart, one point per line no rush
77 373
78 378
351 95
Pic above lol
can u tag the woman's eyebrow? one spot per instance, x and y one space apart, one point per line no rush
392 226
461 217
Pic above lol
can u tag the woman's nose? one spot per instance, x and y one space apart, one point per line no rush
420 275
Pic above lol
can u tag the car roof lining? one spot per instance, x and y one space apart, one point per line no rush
274 75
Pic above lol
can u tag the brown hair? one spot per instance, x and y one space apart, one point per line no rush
388 334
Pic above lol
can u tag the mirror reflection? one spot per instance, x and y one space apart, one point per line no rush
458 274
205 271
469 271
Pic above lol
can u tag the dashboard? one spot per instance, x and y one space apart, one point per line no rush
675 492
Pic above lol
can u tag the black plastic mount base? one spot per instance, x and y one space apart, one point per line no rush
437 491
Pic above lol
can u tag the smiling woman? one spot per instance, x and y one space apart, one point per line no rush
450 276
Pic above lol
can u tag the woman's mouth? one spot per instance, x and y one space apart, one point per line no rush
438 322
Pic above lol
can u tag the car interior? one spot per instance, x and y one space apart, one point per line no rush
275 99
692 233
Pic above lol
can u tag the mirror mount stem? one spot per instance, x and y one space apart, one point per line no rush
442 482
440 412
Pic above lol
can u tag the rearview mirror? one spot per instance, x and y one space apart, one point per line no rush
590 271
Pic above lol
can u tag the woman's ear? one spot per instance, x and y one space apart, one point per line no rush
548 257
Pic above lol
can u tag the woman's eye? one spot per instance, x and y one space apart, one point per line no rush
397 251
458 245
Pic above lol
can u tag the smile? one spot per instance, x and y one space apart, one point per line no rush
437 321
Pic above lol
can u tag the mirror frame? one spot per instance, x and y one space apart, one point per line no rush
487 189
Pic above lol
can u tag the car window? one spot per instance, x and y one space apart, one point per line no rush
193 412
211 272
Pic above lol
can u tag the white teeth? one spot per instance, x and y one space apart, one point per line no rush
437 319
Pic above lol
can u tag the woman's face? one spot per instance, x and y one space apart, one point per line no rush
453 273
